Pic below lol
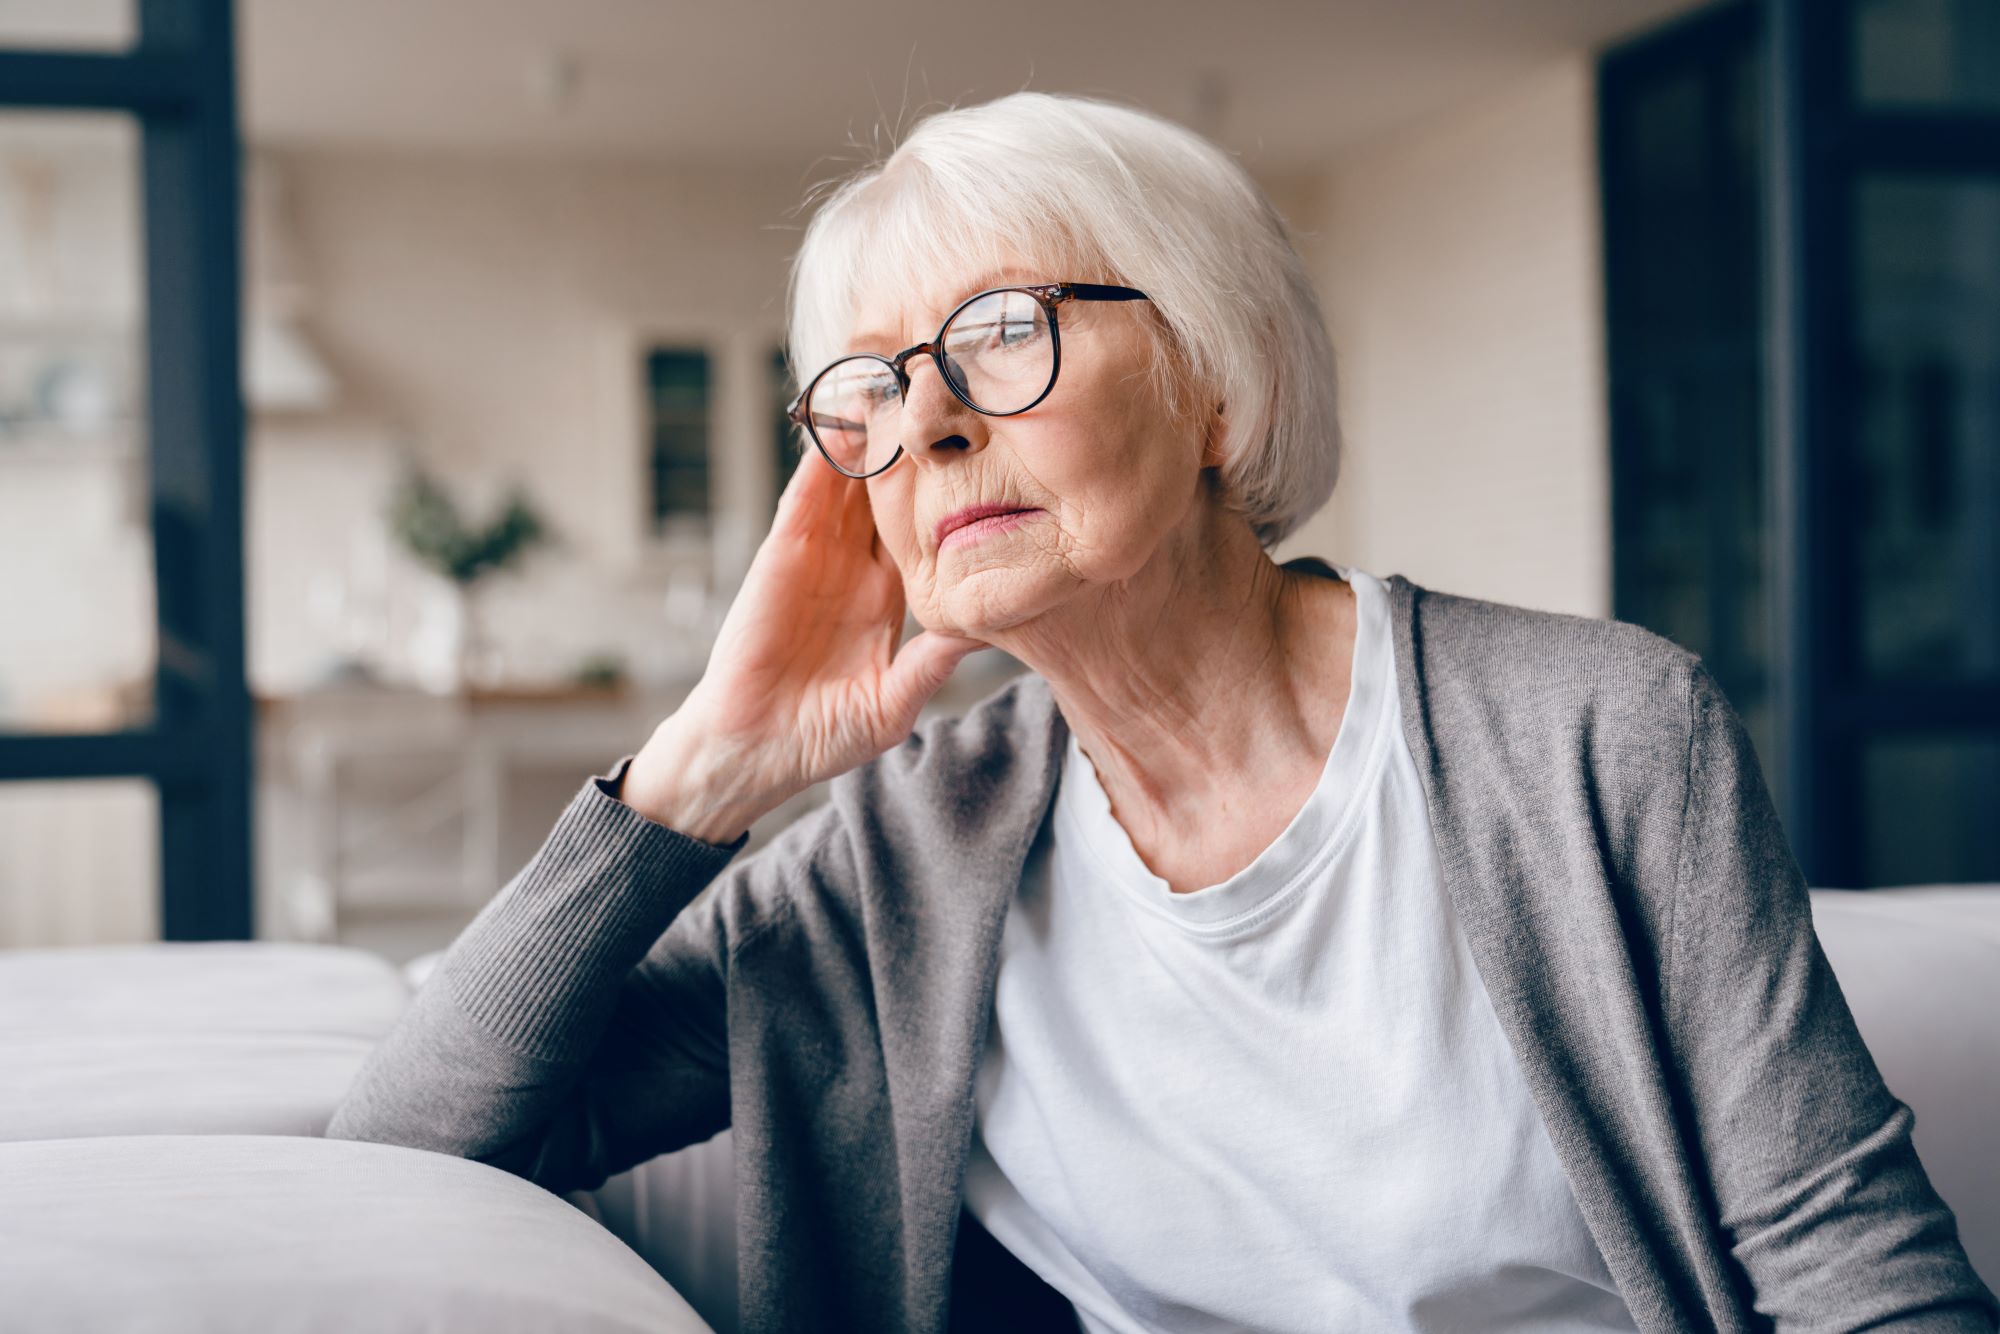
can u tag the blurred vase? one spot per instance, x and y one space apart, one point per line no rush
479 664
438 643
453 650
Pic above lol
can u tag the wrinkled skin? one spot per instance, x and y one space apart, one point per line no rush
1109 470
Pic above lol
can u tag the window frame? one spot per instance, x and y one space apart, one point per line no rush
741 468
1820 143
178 82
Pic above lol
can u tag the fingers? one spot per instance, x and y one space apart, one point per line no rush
847 516
920 669
820 503
809 486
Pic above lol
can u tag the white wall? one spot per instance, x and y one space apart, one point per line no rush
1459 264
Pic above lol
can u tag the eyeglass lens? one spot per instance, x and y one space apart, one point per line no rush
998 350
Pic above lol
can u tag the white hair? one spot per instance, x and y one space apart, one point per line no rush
1105 193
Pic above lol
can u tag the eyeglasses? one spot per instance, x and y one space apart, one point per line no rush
998 352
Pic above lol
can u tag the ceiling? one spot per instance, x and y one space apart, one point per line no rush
1286 83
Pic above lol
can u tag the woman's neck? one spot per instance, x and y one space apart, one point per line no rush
1206 690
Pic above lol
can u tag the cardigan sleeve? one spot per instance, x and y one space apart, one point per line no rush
578 1026
1815 1180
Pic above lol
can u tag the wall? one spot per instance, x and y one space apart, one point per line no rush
1459 264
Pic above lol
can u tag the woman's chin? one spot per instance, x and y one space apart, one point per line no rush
983 602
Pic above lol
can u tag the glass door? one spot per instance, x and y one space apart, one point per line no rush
1802 264
1919 488
125 722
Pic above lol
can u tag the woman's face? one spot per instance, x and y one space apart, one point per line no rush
1101 474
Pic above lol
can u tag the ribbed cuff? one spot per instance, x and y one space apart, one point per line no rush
540 965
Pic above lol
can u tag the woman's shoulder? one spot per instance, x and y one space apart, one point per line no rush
1480 659
1547 740
1510 708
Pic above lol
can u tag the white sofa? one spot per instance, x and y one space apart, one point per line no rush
152 1092
1920 968
162 1166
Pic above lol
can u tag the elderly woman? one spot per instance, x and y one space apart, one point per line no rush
1287 949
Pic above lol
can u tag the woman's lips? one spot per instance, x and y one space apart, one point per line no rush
984 524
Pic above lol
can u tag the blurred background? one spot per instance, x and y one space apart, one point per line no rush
390 390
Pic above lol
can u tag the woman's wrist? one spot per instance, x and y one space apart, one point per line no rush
678 781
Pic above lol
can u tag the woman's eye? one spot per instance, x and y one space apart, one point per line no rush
1007 333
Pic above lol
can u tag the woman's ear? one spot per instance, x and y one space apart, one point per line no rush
1211 448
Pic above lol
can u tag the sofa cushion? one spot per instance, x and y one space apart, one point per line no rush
250 1037
269 1234
1920 968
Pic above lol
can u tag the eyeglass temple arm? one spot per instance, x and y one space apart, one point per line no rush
796 414
1100 292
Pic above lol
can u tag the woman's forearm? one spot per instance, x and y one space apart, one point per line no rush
487 1057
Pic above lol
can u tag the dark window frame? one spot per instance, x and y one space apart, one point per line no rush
1820 143
665 524
178 83
1700 52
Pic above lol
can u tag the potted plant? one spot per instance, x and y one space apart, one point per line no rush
430 526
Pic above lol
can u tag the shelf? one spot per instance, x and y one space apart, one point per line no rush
70 328
52 447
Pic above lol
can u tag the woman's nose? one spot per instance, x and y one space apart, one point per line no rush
935 423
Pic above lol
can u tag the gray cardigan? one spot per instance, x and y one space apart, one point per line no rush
1609 846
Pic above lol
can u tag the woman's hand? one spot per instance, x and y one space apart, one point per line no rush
805 680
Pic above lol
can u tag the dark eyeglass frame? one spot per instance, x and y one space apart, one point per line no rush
1050 295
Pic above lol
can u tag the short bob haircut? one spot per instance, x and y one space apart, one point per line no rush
1094 191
